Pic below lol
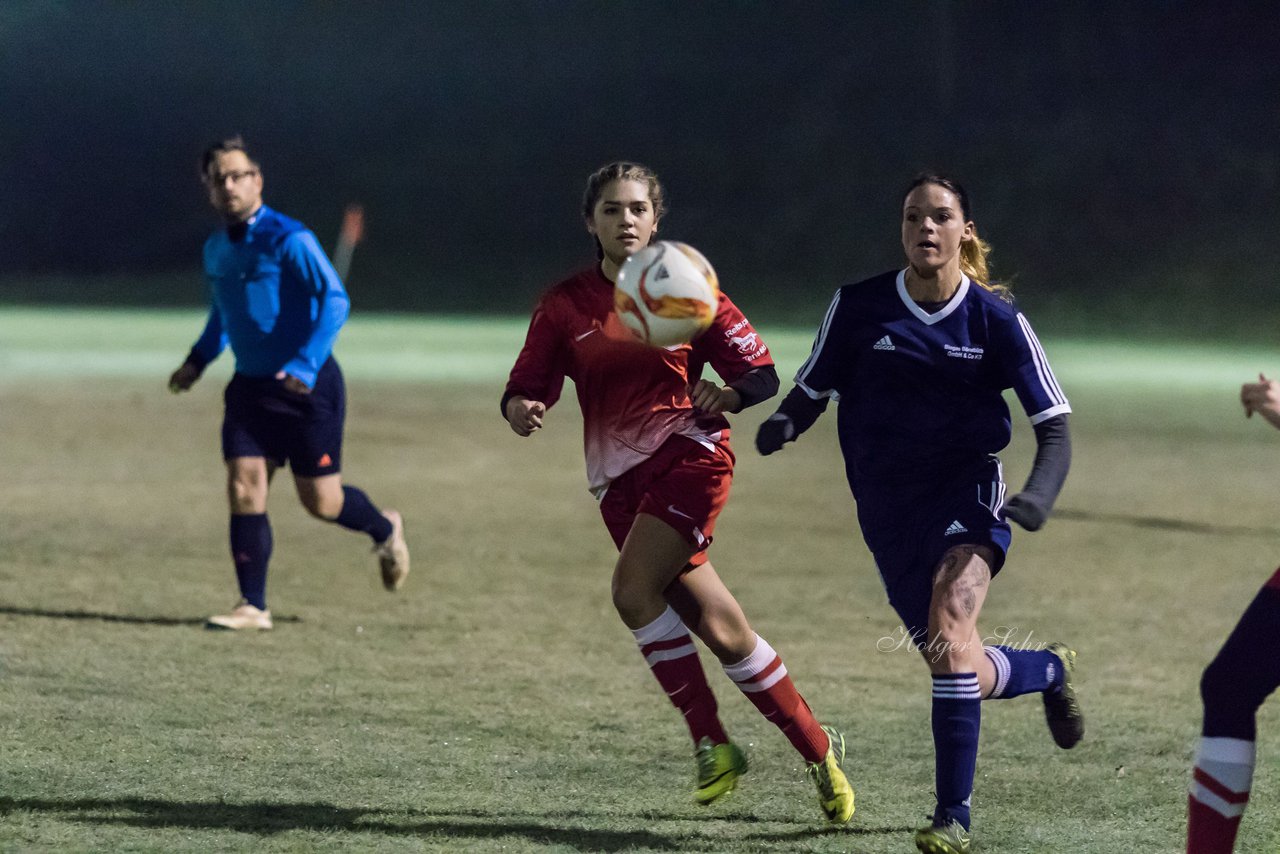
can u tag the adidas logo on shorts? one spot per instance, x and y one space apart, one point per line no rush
955 528
884 344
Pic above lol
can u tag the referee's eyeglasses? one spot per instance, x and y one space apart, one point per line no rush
220 178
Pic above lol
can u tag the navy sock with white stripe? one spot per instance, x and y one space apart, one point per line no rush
1023 671
957 716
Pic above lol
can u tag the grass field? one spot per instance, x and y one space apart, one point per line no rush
497 703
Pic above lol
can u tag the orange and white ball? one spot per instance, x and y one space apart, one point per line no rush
667 294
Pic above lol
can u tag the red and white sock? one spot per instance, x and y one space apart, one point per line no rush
1220 786
668 648
763 678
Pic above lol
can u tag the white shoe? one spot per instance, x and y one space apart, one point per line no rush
393 554
243 616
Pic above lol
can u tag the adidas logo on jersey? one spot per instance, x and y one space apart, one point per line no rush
884 344
955 528
661 273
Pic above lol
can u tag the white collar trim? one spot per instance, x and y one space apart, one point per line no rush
942 313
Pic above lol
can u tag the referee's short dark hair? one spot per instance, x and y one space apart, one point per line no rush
222 146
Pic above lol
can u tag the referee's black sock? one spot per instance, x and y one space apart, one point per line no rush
251 552
359 514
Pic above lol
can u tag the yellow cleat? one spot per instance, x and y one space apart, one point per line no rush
948 839
719 767
1062 707
835 795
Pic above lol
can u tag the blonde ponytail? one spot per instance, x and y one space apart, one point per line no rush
973 263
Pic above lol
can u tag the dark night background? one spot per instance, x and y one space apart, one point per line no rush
1124 159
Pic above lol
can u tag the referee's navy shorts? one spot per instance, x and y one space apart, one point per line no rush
264 419
910 528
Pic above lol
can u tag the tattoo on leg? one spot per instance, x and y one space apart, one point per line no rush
963 575
950 562
982 575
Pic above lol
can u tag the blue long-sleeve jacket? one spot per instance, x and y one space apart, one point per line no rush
273 296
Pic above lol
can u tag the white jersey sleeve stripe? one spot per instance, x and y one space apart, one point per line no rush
1060 409
818 344
1047 379
815 395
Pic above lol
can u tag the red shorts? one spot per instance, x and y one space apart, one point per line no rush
685 484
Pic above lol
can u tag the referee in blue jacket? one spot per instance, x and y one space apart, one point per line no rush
277 301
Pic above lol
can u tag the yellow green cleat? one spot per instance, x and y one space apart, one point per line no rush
1062 708
835 795
719 767
949 838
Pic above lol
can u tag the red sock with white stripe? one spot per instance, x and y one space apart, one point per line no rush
1219 793
668 648
763 678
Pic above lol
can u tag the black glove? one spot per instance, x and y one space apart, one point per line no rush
774 433
1027 510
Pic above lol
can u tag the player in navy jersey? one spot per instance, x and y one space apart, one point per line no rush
918 359
1241 676
660 464
276 300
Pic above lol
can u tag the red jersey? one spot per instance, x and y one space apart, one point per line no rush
633 396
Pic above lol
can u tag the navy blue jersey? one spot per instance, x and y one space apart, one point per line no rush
274 297
920 393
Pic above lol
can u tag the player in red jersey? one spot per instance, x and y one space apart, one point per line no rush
659 462
1244 672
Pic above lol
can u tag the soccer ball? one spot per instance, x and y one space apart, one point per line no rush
667 294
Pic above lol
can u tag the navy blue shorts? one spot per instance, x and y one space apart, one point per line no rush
264 419
910 528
